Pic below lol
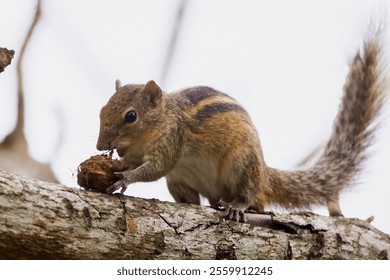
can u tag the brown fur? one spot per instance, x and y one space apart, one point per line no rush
204 143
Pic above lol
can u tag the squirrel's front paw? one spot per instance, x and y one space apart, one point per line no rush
119 185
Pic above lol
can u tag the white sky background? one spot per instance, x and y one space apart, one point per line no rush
285 61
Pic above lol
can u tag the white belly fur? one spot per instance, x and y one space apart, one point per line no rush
198 173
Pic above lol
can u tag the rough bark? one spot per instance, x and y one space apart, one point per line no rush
40 220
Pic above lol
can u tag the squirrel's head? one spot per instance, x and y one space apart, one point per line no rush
128 114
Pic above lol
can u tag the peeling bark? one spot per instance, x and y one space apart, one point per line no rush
40 220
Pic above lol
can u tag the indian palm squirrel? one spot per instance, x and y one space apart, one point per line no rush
204 143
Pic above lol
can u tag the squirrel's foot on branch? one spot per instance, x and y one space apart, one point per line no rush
233 211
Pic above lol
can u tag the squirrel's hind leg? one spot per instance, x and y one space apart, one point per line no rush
183 193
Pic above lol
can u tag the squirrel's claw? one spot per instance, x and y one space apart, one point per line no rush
231 212
121 184
236 214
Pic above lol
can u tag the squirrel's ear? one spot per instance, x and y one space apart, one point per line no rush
152 92
117 84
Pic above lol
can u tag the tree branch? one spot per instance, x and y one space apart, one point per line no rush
173 39
40 220
14 155
17 135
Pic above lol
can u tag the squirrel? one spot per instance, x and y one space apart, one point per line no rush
204 142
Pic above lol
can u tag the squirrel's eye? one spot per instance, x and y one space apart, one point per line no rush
130 117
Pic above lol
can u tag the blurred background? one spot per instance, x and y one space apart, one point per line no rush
285 61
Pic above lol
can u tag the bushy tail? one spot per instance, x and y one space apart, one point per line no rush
344 153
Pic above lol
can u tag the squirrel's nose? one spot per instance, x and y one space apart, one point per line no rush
102 145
